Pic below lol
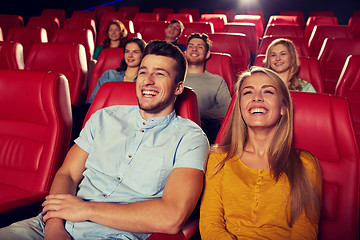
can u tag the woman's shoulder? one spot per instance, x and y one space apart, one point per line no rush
306 86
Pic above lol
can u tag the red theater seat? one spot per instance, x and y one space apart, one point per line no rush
318 20
348 86
198 27
60 14
11 55
234 44
100 10
35 128
130 11
8 21
320 32
222 65
109 58
163 12
309 71
151 30
300 44
81 23
299 14
256 19
111 16
230 14
78 36
83 14
27 36
354 24
183 17
249 29
218 20
141 17
323 126
322 13
284 20
195 12
332 58
50 24
283 30
66 58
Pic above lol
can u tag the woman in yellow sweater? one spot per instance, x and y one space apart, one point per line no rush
257 185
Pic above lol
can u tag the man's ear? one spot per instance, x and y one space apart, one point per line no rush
179 88
208 54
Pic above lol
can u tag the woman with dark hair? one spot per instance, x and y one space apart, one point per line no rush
258 186
281 56
115 37
128 70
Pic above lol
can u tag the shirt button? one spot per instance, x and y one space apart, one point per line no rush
130 156
142 130
118 178
104 195
144 123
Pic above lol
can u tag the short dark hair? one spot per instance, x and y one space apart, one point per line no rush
141 43
202 36
162 48
176 21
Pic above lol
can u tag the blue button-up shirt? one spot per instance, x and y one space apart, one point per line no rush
130 160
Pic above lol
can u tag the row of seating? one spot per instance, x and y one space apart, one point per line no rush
36 121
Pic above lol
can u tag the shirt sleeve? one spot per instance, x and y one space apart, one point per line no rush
192 150
86 137
223 99
307 87
212 223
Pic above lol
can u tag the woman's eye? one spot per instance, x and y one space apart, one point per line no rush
246 92
269 91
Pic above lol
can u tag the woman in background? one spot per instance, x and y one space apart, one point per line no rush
258 186
281 56
115 37
133 50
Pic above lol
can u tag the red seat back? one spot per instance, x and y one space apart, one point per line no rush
256 19
100 10
222 65
238 49
130 11
81 23
60 14
183 17
111 16
230 14
78 36
50 24
218 20
151 30
8 21
249 29
283 30
141 17
27 36
35 128
124 93
300 45
354 24
284 20
109 58
320 32
83 14
163 12
299 14
348 86
309 71
195 13
11 55
198 27
323 126
66 58
332 58
312 21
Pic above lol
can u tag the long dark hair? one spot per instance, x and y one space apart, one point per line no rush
141 43
123 35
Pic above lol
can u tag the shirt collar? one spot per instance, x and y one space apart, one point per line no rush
154 121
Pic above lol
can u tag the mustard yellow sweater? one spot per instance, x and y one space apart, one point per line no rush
244 203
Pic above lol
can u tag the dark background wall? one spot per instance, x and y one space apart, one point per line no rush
343 8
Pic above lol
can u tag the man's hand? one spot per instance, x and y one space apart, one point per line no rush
64 206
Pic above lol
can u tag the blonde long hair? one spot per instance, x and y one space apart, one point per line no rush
283 157
294 83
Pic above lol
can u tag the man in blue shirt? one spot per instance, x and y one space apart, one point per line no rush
134 170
